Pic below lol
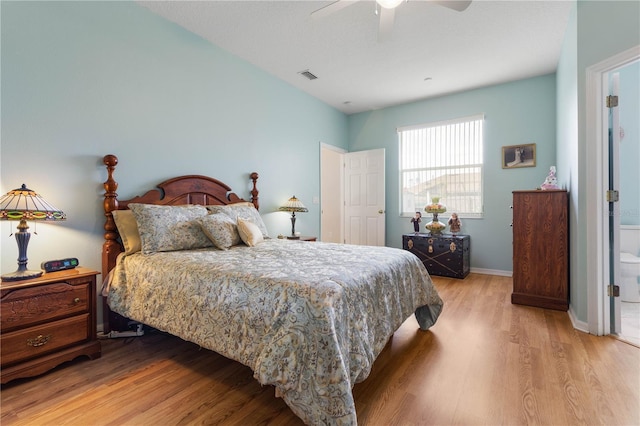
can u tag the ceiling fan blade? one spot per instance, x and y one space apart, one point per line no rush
457 5
331 8
387 18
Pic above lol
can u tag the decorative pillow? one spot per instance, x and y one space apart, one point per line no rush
249 232
221 230
128 230
169 228
243 210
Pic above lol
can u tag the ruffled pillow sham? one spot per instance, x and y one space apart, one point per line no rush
170 228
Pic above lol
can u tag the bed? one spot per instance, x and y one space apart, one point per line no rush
308 318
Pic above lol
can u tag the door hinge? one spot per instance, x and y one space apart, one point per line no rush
612 101
613 290
613 196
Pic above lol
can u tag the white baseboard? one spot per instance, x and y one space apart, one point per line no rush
577 324
491 272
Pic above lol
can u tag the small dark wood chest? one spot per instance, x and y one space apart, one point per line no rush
444 255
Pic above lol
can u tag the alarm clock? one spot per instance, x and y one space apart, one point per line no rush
59 265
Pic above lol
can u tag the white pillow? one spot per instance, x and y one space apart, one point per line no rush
249 232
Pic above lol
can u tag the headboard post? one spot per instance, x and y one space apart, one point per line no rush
111 247
254 191
179 190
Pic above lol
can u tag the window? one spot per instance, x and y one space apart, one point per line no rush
442 160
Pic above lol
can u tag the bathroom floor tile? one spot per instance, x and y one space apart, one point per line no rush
630 318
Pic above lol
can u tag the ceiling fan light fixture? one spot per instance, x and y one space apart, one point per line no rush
389 4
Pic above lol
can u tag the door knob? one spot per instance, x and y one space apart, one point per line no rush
380 211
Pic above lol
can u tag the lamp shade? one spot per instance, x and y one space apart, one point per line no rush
25 204
293 205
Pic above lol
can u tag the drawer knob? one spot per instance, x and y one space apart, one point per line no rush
39 341
76 300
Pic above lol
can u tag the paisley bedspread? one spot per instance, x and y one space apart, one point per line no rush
309 318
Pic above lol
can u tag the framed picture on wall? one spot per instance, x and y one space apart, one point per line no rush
515 156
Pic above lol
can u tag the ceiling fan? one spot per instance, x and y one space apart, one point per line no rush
387 11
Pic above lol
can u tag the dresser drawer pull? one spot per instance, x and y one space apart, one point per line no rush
39 341
76 300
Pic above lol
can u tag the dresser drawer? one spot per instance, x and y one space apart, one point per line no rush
35 305
39 340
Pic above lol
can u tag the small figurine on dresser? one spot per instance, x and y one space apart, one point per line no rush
550 182
454 223
416 222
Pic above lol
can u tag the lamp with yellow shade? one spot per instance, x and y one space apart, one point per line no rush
293 205
24 204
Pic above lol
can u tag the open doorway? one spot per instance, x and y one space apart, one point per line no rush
625 155
331 194
603 311
352 188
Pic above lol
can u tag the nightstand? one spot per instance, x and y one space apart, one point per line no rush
46 321
302 238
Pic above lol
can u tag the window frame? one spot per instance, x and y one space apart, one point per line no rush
403 168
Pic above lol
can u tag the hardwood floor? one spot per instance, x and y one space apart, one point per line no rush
486 361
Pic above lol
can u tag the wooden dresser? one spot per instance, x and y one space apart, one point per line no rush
541 249
445 255
46 321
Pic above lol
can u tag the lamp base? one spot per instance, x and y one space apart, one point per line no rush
293 237
21 275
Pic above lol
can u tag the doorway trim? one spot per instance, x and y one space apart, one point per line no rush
597 160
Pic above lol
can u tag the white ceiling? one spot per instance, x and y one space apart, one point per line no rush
433 51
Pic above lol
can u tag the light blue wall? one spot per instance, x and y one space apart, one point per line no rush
85 79
567 147
515 113
630 145
597 31
596 42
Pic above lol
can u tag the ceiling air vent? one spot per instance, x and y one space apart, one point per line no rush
308 74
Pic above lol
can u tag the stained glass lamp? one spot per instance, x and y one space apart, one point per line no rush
24 204
293 205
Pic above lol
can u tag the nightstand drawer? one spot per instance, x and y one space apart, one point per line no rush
34 305
35 341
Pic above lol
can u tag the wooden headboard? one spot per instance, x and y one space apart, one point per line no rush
189 189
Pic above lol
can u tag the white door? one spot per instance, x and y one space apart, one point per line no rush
614 206
331 194
364 196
